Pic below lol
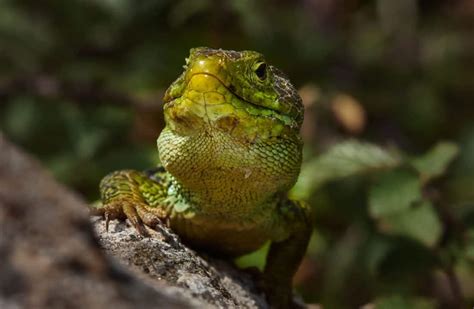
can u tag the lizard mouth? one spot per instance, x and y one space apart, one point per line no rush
205 83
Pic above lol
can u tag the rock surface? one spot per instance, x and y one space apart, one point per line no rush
164 259
50 257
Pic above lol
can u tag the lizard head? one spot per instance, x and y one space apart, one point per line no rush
232 129
233 92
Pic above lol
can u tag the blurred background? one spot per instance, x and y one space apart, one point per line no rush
388 88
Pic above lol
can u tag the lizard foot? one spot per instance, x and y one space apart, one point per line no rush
136 212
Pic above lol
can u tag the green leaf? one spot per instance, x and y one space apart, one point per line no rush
420 223
469 249
434 163
402 302
342 160
376 250
255 258
395 192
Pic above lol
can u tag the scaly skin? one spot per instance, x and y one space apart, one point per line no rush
230 152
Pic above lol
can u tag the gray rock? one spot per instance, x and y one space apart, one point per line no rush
50 256
165 260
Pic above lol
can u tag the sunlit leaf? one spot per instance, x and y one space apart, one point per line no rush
342 160
393 193
420 223
435 161
254 259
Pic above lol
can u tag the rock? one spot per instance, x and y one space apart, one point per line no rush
165 260
50 257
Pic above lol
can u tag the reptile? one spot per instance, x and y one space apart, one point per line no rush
229 153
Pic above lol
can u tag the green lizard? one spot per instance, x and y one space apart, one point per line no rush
230 151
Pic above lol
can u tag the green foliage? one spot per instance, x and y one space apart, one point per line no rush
394 192
398 302
395 199
420 222
397 205
254 259
343 160
435 162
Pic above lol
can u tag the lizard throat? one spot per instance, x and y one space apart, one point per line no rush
215 170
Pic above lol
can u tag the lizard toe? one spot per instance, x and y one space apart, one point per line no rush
147 216
130 210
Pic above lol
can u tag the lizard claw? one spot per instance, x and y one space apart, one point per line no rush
107 220
141 229
136 213
130 210
125 210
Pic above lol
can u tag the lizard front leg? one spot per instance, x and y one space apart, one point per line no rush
134 195
285 255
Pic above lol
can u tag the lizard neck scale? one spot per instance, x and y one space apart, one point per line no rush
226 176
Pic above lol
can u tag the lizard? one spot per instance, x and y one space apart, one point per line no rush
229 153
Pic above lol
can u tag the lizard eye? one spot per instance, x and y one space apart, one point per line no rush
260 70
